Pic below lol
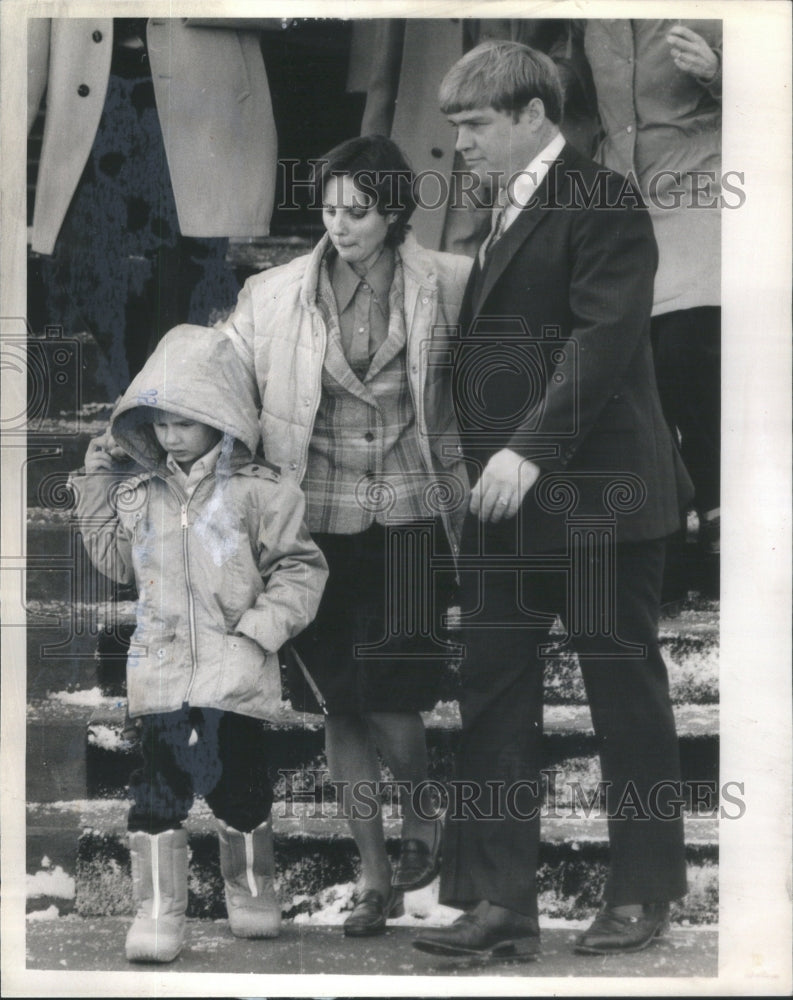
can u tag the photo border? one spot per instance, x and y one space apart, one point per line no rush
755 673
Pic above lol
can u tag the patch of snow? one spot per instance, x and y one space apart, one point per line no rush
90 408
106 738
563 924
445 715
77 805
51 913
206 944
87 696
68 424
422 908
50 882
334 904
281 714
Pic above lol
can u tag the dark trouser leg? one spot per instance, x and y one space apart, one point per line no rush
497 776
687 353
162 789
501 706
635 727
242 796
495 859
220 755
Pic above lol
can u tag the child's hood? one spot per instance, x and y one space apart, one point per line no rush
196 374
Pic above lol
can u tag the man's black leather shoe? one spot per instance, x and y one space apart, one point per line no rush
484 932
611 932
418 863
371 911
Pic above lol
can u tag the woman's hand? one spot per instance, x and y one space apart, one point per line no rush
692 54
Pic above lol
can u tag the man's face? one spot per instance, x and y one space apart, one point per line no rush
491 142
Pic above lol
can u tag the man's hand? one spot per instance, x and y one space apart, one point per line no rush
692 54
505 481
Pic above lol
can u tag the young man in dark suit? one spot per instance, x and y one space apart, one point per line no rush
577 483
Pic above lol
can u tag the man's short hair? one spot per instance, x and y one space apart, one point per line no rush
505 76
378 168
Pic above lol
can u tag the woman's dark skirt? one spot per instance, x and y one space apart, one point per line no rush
377 643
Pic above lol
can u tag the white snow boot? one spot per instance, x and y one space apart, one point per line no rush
159 887
247 863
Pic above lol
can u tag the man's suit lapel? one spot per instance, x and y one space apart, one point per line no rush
470 296
505 249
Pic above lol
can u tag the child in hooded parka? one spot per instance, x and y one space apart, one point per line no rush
226 573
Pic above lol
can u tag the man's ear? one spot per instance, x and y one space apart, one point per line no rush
534 113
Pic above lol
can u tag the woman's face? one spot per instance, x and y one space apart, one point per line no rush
356 228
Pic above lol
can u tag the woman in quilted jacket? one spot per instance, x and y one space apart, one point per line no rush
350 347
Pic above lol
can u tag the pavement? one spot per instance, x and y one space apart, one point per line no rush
75 943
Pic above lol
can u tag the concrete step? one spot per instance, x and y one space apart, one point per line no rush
70 655
54 548
65 635
308 948
84 751
249 256
50 527
316 861
67 641
71 598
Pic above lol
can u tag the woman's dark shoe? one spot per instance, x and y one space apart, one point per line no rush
418 862
371 911
611 932
484 932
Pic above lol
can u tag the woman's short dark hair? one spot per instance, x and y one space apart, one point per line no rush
505 76
379 169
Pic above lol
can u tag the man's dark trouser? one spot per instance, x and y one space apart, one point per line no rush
687 354
501 708
220 755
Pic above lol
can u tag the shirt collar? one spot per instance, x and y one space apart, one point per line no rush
201 467
529 179
345 281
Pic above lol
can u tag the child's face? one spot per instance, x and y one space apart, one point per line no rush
185 440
